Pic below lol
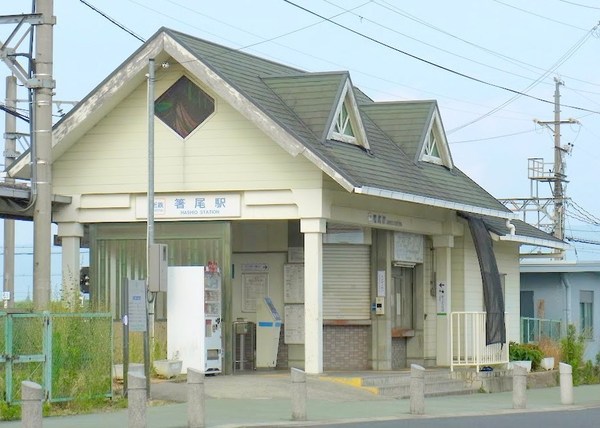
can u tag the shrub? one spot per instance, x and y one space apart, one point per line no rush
572 348
525 352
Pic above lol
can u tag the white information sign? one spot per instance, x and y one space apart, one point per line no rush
380 283
442 299
136 307
408 247
294 324
191 206
293 283
255 286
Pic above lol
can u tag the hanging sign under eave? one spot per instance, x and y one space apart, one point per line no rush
209 205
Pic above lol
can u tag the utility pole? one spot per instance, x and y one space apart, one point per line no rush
559 177
41 183
10 154
553 173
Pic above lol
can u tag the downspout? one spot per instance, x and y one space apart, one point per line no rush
567 288
511 227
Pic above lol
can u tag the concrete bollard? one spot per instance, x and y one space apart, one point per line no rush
566 383
298 395
417 390
519 387
136 394
31 404
196 407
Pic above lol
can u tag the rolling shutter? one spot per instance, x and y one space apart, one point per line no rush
346 282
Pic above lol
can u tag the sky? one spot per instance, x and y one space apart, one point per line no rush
490 64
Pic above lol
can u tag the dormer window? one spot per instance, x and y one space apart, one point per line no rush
347 126
343 126
435 148
431 150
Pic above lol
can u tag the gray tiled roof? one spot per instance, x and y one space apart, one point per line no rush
302 102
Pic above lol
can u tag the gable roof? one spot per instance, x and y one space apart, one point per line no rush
294 108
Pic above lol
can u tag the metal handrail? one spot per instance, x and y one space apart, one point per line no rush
467 342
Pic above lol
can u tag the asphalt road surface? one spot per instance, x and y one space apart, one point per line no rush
580 418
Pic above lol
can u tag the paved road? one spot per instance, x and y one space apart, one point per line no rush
581 418
259 400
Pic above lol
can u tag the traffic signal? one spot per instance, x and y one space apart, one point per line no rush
84 279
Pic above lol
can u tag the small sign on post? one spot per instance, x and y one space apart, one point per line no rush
136 315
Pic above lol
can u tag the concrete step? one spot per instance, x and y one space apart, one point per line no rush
437 383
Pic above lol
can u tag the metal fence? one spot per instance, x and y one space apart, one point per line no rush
69 355
467 342
533 329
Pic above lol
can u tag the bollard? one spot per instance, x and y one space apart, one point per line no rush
519 387
298 395
566 383
136 393
417 390
31 405
196 407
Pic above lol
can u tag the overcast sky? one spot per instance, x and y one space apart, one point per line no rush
475 57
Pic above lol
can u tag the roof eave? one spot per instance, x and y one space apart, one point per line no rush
529 240
434 202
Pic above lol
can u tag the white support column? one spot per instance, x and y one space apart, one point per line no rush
442 245
313 230
70 234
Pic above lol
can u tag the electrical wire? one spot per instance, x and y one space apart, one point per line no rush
476 140
570 52
364 18
515 61
539 16
579 4
118 24
439 66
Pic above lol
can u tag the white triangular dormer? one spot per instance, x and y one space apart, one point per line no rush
435 146
346 125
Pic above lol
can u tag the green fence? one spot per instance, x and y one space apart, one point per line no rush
533 329
69 355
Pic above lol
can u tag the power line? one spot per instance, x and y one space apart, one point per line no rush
540 16
121 26
441 67
492 138
570 52
579 4
415 39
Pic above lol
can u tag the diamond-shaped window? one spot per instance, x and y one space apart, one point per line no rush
184 106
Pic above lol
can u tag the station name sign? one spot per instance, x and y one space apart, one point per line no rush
209 205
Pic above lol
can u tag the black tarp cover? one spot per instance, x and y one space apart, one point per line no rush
495 329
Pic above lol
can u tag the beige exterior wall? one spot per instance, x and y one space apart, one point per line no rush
467 287
227 152
507 257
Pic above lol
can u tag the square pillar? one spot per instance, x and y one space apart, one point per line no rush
313 230
442 246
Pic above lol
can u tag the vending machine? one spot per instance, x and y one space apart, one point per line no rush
212 318
194 317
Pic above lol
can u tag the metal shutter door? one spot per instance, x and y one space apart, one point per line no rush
346 282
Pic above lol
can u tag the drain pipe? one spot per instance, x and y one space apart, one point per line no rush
511 227
567 287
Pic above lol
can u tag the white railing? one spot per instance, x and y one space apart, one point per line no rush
467 342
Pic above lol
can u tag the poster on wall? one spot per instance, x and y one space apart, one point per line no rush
255 286
408 247
294 324
293 283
